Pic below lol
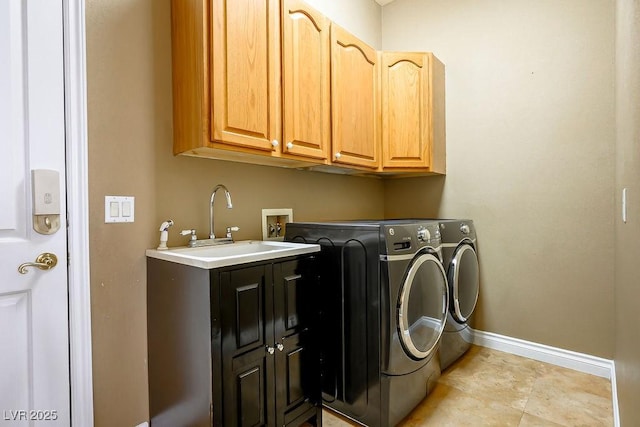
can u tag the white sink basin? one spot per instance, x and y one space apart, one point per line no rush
232 253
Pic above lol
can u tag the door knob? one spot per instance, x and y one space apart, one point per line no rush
44 261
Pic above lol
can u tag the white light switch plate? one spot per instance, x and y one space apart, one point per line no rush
119 209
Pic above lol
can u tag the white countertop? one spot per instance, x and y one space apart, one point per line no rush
236 253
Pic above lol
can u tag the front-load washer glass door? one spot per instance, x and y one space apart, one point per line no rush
422 306
464 282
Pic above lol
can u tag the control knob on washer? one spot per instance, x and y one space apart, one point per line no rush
464 228
423 234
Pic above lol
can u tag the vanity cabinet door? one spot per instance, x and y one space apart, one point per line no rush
246 301
355 107
306 83
297 366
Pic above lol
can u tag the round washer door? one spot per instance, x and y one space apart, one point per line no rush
422 306
464 282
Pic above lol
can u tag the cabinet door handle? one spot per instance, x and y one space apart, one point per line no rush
279 346
338 155
289 145
275 143
270 350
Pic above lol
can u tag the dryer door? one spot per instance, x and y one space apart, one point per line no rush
422 306
464 282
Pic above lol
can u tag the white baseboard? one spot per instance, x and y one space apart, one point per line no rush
544 353
614 393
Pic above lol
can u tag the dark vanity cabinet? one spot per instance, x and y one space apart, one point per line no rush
233 346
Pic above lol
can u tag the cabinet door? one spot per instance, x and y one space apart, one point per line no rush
405 116
297 388
246 300
306 83
245 64
355 111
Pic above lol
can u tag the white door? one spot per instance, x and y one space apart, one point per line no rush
34 343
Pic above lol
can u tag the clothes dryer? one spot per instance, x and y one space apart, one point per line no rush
383 313
460 258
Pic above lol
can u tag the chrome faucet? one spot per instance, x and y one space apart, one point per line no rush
195 242
227 195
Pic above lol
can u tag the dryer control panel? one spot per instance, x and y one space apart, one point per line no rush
456 230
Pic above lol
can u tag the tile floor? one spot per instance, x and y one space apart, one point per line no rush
491 388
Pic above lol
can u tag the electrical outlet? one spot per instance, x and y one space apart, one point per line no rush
274 223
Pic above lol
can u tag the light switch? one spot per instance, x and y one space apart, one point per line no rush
126 209
114 209
119 209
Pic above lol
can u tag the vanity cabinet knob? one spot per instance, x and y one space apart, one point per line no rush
275 143
289 145
279 346
338 155
270 350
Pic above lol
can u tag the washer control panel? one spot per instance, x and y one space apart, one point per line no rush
423 234
410 237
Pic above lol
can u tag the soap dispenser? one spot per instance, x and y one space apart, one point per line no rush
164 234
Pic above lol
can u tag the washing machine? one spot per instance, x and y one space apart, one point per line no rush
383 311
460 258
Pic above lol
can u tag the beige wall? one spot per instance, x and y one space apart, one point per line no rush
530 157
130 127
124 125
360 17
627 354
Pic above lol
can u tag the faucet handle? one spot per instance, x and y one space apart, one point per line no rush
230 229
189 232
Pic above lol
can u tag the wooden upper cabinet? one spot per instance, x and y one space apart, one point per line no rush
226 78
245 63
413 127
274 82
355 108
190 69
306 81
